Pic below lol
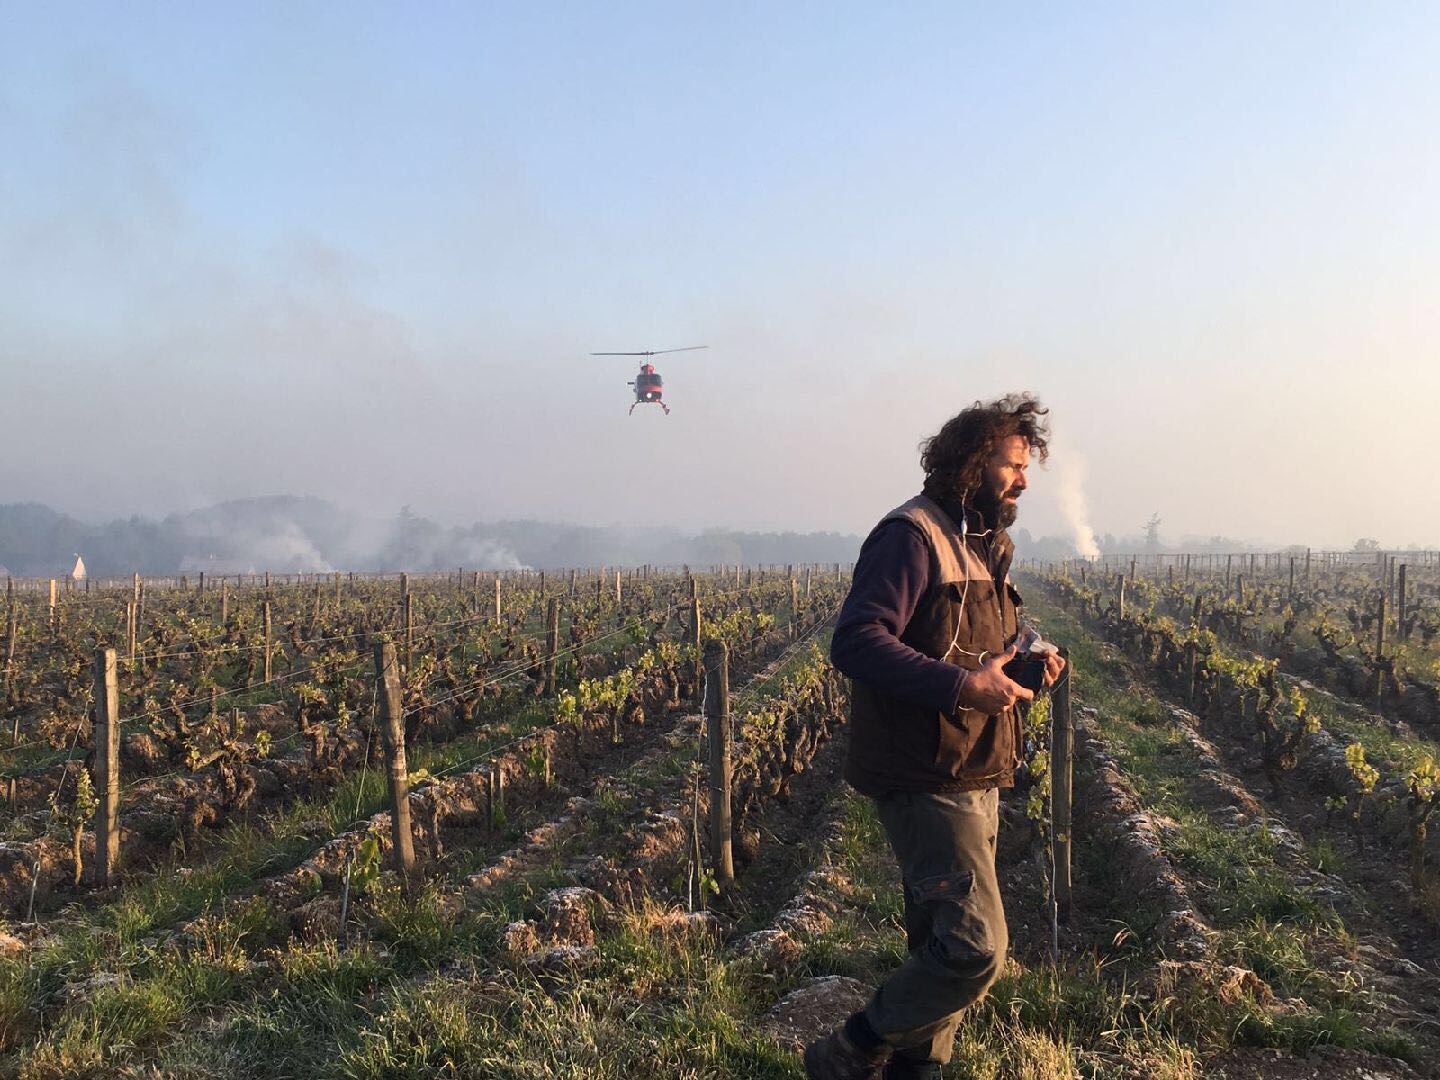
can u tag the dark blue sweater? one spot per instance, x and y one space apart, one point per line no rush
891 575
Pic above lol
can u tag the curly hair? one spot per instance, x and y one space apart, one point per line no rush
954 458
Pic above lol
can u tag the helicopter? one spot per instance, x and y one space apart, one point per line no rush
648 384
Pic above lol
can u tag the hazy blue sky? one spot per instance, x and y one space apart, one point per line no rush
362 251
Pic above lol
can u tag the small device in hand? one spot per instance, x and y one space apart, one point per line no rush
1028 667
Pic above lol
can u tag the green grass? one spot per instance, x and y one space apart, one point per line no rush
119 938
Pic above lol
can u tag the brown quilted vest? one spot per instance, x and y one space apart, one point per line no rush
895 745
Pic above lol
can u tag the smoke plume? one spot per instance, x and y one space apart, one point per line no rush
1070 475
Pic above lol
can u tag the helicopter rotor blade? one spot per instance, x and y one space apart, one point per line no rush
651 352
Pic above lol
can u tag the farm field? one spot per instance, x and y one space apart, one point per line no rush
566 915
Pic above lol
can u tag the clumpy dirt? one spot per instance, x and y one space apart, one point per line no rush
1323 1063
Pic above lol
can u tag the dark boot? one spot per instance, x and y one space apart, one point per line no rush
835 1057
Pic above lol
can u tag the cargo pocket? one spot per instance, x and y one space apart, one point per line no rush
961 938
957 736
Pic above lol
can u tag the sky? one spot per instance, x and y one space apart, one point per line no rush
363 251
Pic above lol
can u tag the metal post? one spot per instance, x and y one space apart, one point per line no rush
1062 737
552 644
265 615
695 638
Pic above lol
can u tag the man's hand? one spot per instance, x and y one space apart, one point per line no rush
990 690
1054 666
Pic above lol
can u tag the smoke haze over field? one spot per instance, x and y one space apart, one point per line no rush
364 254
290 535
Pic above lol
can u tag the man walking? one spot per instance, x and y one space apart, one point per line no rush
925 634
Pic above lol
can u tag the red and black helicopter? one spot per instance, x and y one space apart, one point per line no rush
649 386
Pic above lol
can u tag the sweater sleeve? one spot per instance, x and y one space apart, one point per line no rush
891 575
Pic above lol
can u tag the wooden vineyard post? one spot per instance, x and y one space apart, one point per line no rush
1307 565
337 592
717 733
107 768
1122 597
135 584
265 619
794 610
497 597
1292 577
224 603
552 644
54 611
807 582
1400 603
1062 738
1380 651
617 588
392 731
572 584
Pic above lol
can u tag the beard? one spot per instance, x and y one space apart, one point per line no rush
998 513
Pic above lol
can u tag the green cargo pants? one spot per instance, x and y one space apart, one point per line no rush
954 918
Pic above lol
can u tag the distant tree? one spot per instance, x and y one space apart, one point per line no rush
1366 543
1152 533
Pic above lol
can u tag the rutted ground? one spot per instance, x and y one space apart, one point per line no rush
1198 938
1270 891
